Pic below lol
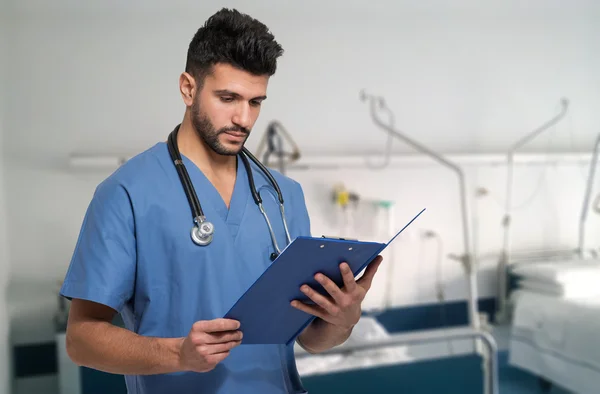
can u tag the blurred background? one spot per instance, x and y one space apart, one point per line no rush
474 110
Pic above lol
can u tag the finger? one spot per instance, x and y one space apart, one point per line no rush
319 299
216 358
367 279
329 285
310 309
220 337
208 350
349 282
216 325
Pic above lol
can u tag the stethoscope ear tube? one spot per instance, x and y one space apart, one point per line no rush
184 176
266 172
202 232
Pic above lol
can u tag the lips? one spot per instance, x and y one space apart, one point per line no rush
236 134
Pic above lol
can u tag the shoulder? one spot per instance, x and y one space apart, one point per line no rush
139 172
290 188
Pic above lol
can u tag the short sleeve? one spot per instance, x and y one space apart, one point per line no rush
301 215
103 265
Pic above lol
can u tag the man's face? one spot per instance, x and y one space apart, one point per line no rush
224 111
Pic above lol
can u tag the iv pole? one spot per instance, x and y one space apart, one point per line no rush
586 200
501 313
466 258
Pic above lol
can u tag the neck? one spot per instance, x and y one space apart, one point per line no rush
194 148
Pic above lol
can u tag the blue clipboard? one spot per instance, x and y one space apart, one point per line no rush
264 310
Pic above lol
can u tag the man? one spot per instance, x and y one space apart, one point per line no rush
135 256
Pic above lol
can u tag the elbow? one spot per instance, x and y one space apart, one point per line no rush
72 348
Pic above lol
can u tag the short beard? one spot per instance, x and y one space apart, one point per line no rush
208 133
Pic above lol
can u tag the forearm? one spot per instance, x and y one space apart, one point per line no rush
105 347
320 336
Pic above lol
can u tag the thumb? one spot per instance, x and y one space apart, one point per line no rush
367 278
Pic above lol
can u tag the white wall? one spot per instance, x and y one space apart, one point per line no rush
460 78
547 201
464 76
5 365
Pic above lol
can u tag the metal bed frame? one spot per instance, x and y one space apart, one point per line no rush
508 258
502 313
378 103
490 373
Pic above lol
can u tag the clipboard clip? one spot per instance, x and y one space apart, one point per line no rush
339 238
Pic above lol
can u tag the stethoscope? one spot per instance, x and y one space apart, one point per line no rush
203 231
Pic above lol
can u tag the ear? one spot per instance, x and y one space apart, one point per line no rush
187 87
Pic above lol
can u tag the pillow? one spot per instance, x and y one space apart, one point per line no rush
574 290
559 272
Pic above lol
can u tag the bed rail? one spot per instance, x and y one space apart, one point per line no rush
490 378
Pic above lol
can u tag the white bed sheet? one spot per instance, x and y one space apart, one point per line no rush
369 329
558 339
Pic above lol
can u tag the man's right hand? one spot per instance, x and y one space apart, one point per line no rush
208 343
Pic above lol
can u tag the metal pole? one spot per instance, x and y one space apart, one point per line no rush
466 259
490 379
501 313
586 200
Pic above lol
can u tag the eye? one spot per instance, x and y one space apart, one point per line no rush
226 99
255 103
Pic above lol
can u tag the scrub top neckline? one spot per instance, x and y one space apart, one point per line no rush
209 195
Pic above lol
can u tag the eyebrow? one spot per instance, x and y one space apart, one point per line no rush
234 94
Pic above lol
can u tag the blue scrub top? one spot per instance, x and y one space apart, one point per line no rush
135 254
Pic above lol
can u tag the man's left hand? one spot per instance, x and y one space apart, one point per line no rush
342 307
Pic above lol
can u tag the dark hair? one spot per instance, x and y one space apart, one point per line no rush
236 39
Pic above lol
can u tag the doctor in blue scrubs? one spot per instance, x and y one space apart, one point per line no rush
172 266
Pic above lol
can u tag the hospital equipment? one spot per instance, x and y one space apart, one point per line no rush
360 216
467 259
502 309
377 104
203 231
272 145
555 304
348 356
586 200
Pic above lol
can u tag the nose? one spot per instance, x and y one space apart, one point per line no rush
243 116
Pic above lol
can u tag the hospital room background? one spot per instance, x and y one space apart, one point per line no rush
485 113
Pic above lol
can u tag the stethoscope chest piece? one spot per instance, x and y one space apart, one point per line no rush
202 234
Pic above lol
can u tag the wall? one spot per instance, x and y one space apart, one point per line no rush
5 365
463 76
460 78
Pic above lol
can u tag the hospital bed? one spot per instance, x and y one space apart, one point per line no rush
554 310
556 321
373 359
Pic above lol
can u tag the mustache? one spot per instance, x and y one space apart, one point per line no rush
234 128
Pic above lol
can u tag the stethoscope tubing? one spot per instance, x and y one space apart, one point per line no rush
192 197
